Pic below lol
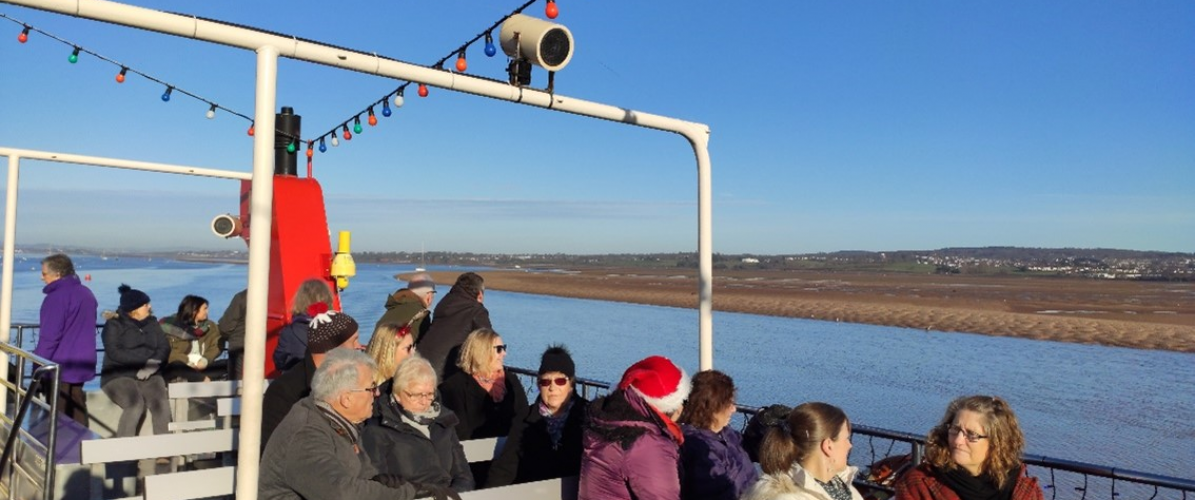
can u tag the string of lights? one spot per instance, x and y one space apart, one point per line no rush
125 70
397 95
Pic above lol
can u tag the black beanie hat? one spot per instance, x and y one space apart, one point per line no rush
131 299
557 359
328 329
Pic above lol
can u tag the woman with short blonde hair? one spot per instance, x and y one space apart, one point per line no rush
974 453
485 396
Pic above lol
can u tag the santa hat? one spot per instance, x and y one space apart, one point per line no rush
661 383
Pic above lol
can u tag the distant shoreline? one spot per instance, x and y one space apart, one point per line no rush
1124 314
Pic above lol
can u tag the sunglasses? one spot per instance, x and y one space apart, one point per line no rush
561 381
501 348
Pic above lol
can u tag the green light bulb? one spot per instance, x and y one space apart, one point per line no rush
290 147
357 128
74 58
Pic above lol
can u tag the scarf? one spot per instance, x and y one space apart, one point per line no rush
421 421
836 488
969 487
340 424
555 422
496 390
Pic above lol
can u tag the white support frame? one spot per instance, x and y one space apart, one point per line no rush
269 47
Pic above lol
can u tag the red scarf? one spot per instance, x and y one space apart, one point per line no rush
495 384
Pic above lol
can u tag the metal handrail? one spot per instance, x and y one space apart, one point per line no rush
46 370
916 442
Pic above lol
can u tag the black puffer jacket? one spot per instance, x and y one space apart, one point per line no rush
480 417
528 455
397 447
129 343
282 394
455 316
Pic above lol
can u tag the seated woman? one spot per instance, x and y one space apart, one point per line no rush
194 342
804 458
411 436
134 349
389 346
715 464
973 454
292 340
483 395
546 443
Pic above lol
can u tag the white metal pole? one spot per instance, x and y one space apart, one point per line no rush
260 219
30 154
705 245
10 233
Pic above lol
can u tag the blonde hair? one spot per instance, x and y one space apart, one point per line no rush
1005 441
383 348
801 433
477 351
413 369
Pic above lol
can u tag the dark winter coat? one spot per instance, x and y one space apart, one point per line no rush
129 344
455 317
921 483
312 460
282 394
629 451
397 447
480 417
232 322
529 456
715 465
403 305
181 337
292 342
66 334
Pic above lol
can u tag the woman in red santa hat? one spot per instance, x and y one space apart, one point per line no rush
632 442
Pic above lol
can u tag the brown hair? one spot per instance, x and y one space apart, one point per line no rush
477 351
311 291
712 392
1006 443
59 264
801 434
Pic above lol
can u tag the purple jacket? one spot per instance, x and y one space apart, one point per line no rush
67 332
629 452
715 464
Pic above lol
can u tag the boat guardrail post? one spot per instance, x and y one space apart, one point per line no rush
699 138
261 213
46 370
10 231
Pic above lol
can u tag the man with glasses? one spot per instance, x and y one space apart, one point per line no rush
406 303
316 452
67 333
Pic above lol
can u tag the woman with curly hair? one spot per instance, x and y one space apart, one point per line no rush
974 453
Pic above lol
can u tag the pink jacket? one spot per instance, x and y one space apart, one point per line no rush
630 452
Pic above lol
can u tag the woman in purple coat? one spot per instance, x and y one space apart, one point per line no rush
715 465
631 440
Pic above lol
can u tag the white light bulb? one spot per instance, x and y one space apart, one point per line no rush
335 142
211 113
398 100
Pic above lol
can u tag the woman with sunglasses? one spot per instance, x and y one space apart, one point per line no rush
974 453
716 467
804 457
412 437
546 442
485 397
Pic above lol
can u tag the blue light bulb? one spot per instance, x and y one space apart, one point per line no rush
490 50
322 147
386 109
166 94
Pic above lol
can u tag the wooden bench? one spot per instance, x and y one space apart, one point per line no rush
101 452
181 393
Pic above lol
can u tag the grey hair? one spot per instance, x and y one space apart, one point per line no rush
59 264
413 370
339 372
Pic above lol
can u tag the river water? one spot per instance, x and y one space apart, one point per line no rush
1121 407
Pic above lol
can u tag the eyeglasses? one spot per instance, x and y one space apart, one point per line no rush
972 437
373 389
561 381
501 348
420 395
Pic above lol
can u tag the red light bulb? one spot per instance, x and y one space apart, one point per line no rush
422 90
23 37
310 152
250 131
551 10
373 120
461 65
348 136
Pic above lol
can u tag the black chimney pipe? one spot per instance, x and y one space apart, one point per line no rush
287 127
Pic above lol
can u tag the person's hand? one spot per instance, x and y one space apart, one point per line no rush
423 490
390 480
201 364
151 367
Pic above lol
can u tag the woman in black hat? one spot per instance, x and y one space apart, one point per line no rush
546 443
134 349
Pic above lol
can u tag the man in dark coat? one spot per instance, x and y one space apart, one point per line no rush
67 333
403 305
460 312
329 330
232 328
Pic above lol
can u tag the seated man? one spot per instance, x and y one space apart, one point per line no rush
316 452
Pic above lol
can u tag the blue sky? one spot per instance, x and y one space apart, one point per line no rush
835 125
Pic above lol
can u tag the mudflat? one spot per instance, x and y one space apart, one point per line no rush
1146 315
